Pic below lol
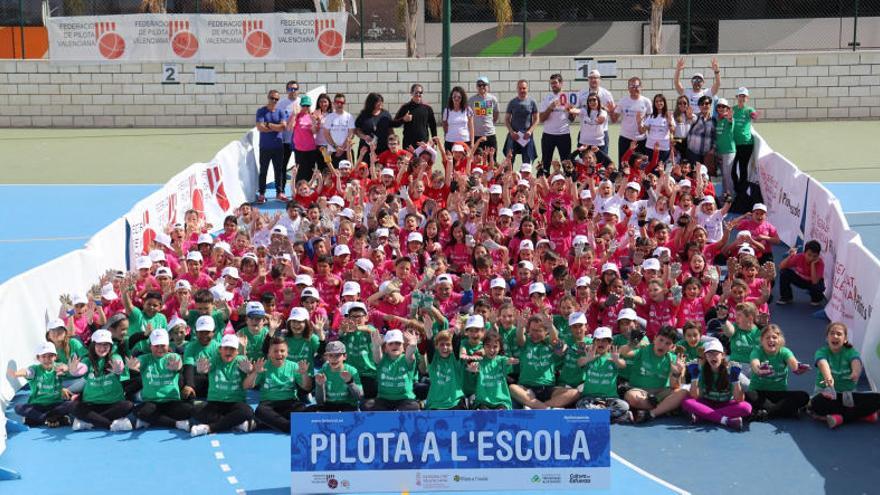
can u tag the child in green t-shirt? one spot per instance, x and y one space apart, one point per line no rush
537 375
768 391
49 403
443 365
338 385
103 402
160 375
471 349
492 391
66 348
203 346
571 374
356 334
278 379
655 375
715 394
601 363
254 333
840 367
395 372
226 407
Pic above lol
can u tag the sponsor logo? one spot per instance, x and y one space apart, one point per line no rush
575 478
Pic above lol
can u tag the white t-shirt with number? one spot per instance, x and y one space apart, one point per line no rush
627 109
557 123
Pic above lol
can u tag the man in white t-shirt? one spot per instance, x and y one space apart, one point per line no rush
339 130
697 90
630 112
555 112
605 98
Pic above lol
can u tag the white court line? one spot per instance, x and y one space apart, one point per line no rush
43 239
225 468
81 185
845 182
219 456
648 475
215 443
232 480
874 212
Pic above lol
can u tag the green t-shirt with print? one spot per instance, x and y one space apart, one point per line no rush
742 124
715 394
395 378
841 367
469 383
224 380
600 377
742 343
561 324
778 380
569 372
254 348
194 350
335 389
45 386
620 340
511 349
102 386
299 348
690 353
492 388
650 370
219 321
76 349
536 364
446 389
279 382
160 383
724 144
138 321
359 351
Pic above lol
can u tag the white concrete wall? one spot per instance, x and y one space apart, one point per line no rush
785 86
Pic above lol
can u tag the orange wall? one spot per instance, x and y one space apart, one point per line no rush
36 42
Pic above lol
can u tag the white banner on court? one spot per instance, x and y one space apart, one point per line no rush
825 223
784 189
197 37
870 350
212 189
855 287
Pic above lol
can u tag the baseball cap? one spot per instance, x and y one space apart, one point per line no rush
602 333
230 271
475 321
457 147
341 250
594 73
364 264
483 79
159 336
651 264
498 282
527 265
347 213
722 102
583 281
415 237
526 244
627 314
505 212
746 250
344 164
580 239
335 347
476 170
393 336
351 288
255 308
742 91
230 340
175 321
586 194
388 171
79 299
610 267
684 183
389 287
577 318
163 239
634 185
556 178
443 278
525 168
157 255
612 210
495 189
303 279
298 314
336 200
220 293
708 200
194 256
712 345
310 292
658 252
537 288
355 305
382 232
143 262
760 206
108 293
205 239
56 323
182 285
698 75
517 207
205 324
46 348
102 337
279 229
305 101
163 271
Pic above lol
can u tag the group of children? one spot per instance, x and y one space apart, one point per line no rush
433 279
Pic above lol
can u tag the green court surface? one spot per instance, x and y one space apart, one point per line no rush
828 150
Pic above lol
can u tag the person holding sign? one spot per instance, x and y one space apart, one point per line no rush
160 373
556 114
395 371
839 370
716 394
226 407
278 379
338 385
655 376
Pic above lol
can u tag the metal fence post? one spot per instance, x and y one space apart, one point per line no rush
362 28
447 52
687 40
198 7
21 25
525 14
855 41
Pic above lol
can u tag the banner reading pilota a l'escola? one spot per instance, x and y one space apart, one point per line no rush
450 451
197 37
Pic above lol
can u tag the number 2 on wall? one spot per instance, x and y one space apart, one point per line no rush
169 74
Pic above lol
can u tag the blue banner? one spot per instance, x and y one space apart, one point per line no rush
450 450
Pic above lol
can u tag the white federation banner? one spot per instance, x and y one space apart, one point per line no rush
855 287
784 189
826 224
197 37
870 350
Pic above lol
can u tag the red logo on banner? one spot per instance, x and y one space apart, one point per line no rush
257 41
183 42
215 181
149 234
110 44
330 40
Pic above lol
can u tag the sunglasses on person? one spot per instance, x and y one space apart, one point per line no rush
418 93
339 102
273 98
682 103
291 89
705 103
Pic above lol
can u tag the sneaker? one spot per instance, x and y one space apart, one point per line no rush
735 424
198 430
261 199
182 424
642 416
282 197
693 418
79 424
626 418
245 426
58 422
834 420
759 415
783 302
121 424
871 418
141 424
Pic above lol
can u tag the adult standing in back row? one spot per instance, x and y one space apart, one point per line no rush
271 122
485 108
417 119
606 100
555 113
630 111
458 120
521 120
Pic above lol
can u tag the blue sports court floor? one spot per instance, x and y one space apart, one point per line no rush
801 456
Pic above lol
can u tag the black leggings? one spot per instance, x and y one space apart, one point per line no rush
864 403
306 162
740 169
378 404
781 404
276 156
164 413
461 406
222 416
550 143
132 386
276 414
38 414
101 415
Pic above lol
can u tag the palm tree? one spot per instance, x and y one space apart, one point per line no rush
657 8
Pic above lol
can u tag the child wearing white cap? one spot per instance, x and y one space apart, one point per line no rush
207 305
601 364
203 346
395 371
279 380
535 388
444 366
492 371
160 374
226 407
338 384
571 374
356 333
303 337
254 333
65 349
716 394
48 403
102 403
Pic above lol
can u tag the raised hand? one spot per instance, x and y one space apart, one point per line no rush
203 365
60 369
245 366
303 367
73 364
321 378
117 366
474 366
173 363
133 363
